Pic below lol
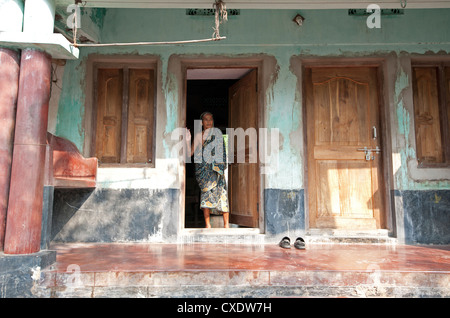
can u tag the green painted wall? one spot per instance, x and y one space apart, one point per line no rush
273 33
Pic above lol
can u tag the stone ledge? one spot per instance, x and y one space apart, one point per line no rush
247 284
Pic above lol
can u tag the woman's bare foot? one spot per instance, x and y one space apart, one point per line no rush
206 215
226 217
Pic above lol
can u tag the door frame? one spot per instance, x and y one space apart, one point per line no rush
383 77
261 64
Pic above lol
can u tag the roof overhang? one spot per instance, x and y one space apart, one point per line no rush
54 44
260 4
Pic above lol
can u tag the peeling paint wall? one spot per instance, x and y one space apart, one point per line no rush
272 33
69 123
407 175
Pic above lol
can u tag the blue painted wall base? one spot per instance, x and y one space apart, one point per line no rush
426 216
284 212
16 272
144 215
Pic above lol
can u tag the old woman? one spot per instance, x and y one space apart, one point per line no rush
210 163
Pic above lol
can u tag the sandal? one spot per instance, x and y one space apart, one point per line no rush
285 242
299 243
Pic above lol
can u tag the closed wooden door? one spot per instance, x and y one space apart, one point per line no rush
243 177
109 115
140 115
345 182
125 115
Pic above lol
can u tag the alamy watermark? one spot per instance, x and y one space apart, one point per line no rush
374 20
74 19
243 146
263 143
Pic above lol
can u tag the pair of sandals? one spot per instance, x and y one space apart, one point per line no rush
298 244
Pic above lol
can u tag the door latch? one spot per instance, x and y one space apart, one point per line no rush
369 152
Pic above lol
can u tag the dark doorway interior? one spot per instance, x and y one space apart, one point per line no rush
203 95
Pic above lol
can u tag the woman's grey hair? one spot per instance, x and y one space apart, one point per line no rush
205 113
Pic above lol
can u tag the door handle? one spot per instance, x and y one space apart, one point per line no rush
374 132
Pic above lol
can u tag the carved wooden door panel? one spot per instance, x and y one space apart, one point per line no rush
109 115
345 179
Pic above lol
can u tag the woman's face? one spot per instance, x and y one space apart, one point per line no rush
207 121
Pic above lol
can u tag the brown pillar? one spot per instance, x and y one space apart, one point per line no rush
9 84
24 216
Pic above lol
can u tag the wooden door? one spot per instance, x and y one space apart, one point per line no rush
426 115
140 115
125 115
109 115
243 178
345 188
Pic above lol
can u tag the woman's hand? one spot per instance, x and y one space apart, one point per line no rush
188 135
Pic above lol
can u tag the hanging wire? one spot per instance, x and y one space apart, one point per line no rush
221 15
74 29
150 43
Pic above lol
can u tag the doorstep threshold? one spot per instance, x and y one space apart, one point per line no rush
222 235
221 231
379 236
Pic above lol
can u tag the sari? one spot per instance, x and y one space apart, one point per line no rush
209 173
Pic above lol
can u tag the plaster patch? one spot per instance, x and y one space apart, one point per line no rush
403 119
401 84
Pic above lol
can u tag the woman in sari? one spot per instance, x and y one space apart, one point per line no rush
209 170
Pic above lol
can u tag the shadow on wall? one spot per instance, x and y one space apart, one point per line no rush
114 215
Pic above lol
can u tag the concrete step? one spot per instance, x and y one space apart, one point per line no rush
237 283
324 236
246 270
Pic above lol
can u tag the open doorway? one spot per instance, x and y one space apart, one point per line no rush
219 90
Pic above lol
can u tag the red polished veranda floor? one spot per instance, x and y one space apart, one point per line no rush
200 257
